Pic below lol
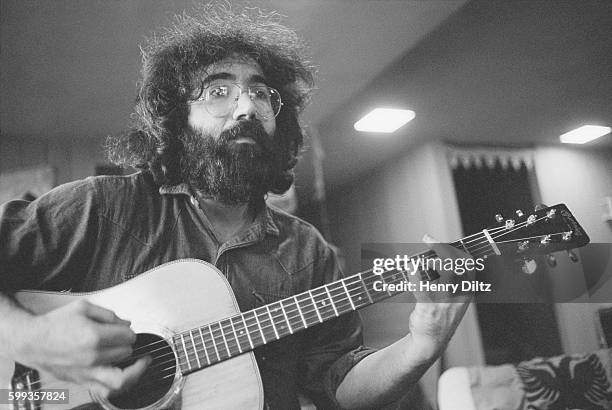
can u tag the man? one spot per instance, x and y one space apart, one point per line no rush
215 129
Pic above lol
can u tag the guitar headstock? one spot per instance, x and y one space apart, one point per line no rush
546 230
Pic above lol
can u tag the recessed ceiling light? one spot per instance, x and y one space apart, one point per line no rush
384 120
584 134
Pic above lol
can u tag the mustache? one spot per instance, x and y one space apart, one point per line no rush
248 128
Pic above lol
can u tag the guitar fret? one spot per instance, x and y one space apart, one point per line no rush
368 283
247 332
236 336
365 288
214 342
396 276
195 349
315 307
297 303
382 278
331 301
341 302
241 333
356 293
463 246
491 242
186 353
229 354
286 318
263 337
204 345
272 321
347 294
325 307
179 351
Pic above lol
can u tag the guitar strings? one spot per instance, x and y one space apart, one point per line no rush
429 253
304 313
532 237
289 312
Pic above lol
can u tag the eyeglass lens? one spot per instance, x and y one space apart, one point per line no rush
220 99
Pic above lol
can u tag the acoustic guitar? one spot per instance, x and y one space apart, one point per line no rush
187 319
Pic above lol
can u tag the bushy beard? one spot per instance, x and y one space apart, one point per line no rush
231 172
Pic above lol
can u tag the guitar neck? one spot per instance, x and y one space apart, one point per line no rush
215 342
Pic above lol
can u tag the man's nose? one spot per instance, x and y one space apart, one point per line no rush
245 108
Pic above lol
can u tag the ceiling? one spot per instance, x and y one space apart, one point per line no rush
479 72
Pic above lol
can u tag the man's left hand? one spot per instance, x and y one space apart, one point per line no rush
438 312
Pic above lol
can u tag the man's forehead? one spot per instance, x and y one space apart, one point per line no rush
242 67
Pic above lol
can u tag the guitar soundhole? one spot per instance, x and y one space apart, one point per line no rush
157 379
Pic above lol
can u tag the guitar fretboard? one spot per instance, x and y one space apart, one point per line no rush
204 346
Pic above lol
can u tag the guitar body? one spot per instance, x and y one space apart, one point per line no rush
171 298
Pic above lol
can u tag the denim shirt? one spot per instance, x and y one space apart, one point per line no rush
92 234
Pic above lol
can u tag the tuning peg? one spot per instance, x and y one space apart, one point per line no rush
531 219
509 223
551 260
545 239
499 218
529 266
573 257
519 213
539 207
523 246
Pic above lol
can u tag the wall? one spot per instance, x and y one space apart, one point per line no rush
399 203
581 178
71 160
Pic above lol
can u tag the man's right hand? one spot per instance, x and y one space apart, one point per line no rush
79 343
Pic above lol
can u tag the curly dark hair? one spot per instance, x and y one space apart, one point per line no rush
172 62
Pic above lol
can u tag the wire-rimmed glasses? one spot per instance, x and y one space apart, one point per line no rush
220 99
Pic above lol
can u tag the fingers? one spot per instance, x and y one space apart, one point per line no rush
115 335
113 355
110 329
102 315
443 250
132 373
107 381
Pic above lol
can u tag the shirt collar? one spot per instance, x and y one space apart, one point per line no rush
271 226
264 216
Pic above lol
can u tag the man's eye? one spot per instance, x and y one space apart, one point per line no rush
218 91
261 93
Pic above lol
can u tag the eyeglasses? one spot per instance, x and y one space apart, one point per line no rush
220 99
